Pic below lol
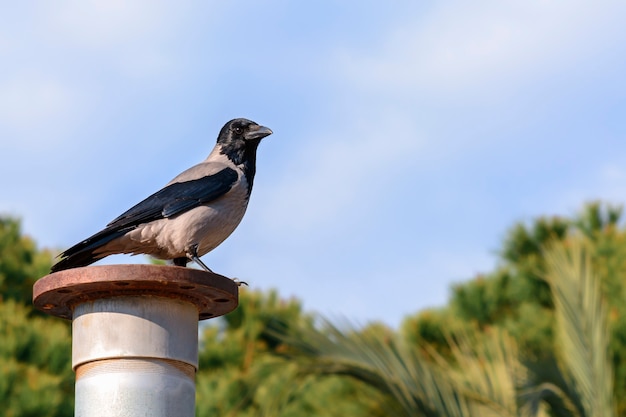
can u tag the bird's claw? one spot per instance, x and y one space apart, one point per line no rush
239 282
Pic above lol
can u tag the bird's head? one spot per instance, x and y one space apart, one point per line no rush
238 141
242 133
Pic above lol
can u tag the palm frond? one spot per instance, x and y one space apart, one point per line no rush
413 385
535 400
486 369
581 325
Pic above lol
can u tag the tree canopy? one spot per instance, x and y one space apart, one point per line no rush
543 334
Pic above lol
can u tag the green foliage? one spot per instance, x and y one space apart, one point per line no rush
481 371
543 334
409 384
582 326
480 376
249 330
36 378
21 264
243 372
516 297
236 352
35 372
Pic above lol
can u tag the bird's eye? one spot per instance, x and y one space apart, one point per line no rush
238 130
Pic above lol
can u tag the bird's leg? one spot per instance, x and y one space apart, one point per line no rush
193 255
181 261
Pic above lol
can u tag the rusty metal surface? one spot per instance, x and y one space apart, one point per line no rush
56 294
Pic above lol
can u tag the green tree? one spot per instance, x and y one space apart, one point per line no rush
516 298
542 334
21 262
243 371
481 371
36 378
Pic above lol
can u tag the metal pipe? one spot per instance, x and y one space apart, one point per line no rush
135 356
135 334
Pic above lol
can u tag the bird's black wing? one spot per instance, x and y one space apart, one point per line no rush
170 201
177 198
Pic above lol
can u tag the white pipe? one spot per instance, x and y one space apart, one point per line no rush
135 356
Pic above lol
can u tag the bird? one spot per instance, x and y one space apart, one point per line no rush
189 217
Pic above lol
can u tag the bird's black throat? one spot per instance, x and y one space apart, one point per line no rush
244 155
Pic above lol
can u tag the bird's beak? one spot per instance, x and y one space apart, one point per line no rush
258 132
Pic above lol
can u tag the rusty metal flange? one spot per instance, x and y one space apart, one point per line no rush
57 294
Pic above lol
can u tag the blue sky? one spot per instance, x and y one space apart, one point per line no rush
408 136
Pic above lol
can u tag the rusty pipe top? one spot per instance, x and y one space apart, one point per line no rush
57 294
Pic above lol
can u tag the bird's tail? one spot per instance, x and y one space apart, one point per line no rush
83 253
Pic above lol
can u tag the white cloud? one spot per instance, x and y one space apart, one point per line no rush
58 71
486 46
329 173
105 24
462 52
134 38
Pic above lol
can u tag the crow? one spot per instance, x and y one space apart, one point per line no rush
191 215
